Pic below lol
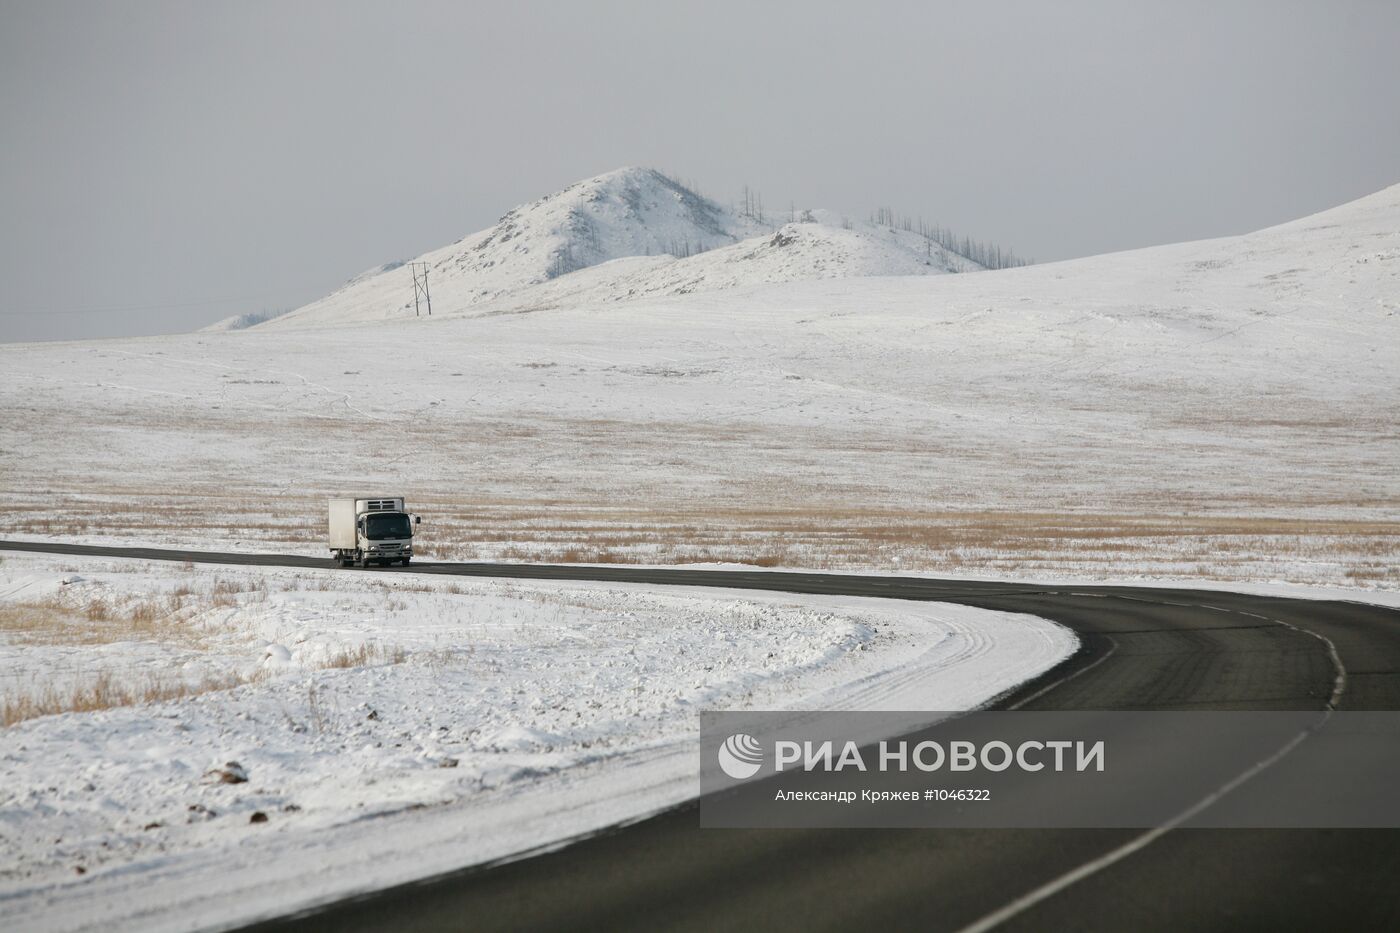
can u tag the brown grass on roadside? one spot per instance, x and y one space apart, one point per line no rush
105 692
74 617
1180 545
101 620
366 654
763 522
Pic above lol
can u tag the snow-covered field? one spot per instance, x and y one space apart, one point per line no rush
1224 409
390 726
822 394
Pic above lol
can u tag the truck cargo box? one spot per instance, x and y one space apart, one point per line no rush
342 524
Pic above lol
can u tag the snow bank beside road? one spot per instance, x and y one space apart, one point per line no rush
488 719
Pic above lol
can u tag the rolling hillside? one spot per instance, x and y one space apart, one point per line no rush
628 234
1222 408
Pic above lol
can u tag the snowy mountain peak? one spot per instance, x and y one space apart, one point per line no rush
626 212
626 234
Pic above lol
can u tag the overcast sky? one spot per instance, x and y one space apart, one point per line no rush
167 165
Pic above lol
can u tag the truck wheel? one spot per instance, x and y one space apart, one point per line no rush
406 560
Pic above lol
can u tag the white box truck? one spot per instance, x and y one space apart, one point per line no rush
371 529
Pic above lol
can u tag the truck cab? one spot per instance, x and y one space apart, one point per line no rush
371 529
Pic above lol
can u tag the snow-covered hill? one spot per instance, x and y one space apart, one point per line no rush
627 234
822 248
627 212
1224 406
242 321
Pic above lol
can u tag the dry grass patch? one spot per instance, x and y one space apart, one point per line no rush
78 616
87 615
97 621
103 691
965 541
365 655
766 522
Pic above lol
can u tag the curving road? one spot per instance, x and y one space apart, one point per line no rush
1142 648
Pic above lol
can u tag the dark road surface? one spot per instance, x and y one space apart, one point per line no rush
1143 648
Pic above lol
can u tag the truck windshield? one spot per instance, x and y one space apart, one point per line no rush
381 525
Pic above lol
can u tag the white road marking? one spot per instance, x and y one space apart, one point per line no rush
1112 647
1138 843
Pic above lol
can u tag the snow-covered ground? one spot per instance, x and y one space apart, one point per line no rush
1222 409
390 726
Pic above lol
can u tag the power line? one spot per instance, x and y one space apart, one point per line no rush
420 286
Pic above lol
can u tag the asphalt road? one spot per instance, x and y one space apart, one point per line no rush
1143 648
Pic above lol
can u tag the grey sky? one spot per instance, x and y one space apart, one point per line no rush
175 163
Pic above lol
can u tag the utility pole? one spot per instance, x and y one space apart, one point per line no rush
420 287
